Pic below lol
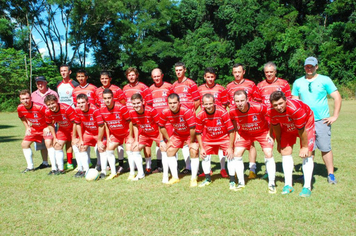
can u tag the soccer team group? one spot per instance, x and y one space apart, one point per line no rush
229 122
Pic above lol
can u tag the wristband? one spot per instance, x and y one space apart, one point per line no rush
161 141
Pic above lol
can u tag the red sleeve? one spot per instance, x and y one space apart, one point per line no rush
233 117
19 112
72 115
256 94
48 117
224 97
155 115
189 116
228 124
120 95
199 122
195 92
125 113
99 119
147 95
162 119
286 90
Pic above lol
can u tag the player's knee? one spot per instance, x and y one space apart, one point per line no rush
25 144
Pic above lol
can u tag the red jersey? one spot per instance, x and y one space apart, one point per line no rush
117 119
253 121
265 89
118 95
35 115
218 91
296 116
147 122
182 121
160 95
64 117
187 92
88 89
90 120
217 126
140 88
247 85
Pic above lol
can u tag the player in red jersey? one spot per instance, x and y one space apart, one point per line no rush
32 116
238 71
90 132
291 119
119 96
84 87
251 125
145 128
214 132
117 120
220 97
64 116
160 91
183 122
188 93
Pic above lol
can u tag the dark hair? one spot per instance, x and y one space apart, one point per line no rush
172 96
108 91
82 96
105 73
276 95
24 92
239 92
136 96
208 95
65 65
179 64
50 97
130 69
237 65
209 70
82 71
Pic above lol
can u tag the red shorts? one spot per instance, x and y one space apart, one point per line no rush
213 147
91 140
148 140
180 141
64 135
120 140
38 135
246 141
288 139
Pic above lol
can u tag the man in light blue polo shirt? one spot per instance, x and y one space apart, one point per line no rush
313 89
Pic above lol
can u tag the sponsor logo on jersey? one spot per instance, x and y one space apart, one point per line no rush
35 115
88 94
91 118
279 89
164 93
218 122
216 95
254 118
117 116
64 117
289 119
185 89
181 119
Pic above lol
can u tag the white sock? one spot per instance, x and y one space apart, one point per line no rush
27 152
240 170
206 164
173 164
148 162
138 161
59 159
271 168
165 166
45 162
120 153
308 167
88 152
231 166
103 162
111 158
252 167
195 167
77 158
52 158
185 151
84 160
222 159
131 161
288 166
266 167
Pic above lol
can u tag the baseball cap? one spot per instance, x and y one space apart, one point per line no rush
40 78
311 61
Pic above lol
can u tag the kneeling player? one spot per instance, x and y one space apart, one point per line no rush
289 119
64 115
251 125
117 120
214 122
32 116
183 122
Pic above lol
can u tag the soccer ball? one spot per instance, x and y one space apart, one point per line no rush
92 175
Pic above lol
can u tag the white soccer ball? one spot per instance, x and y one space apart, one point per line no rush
92 175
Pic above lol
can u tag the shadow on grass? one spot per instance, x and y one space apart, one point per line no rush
6 139
6 126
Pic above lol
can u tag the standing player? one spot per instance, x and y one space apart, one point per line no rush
117 120
119 96
240 83
145 128
188 93
65 91
38 96
92 122
220 97
160 92
313 90
251 125
134 86
64 116
183 122
218 133
289 119
84 87
32 116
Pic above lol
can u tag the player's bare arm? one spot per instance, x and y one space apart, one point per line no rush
276 129
27 126
196 104
303 135
337 107
101 131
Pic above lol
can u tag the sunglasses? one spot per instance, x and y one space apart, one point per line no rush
310 87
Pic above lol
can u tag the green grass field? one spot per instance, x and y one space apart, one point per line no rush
37 204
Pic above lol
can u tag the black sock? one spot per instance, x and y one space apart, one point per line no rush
232 178
121 163
208 177
159 163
